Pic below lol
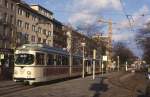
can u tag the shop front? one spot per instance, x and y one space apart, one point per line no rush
6 63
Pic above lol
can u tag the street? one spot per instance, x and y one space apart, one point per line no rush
116 84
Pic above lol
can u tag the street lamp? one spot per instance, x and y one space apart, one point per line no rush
118 62
69 47
83 47
94 59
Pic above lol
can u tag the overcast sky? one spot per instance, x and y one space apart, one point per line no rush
81 12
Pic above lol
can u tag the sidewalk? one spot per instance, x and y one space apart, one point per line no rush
6 83
80 87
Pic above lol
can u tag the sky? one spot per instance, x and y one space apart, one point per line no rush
88 12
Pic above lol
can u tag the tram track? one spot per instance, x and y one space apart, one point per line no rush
125 85
8 89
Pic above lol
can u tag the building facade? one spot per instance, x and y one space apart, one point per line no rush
60 35
33 26
7 35
7 23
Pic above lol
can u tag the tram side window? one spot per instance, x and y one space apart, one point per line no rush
80 61
65 60
76 61
40 59
58 60
50 59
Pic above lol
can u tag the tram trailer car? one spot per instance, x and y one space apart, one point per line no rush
40 63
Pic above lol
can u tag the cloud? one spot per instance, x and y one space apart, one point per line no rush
82 18
87 11
137 19
123 36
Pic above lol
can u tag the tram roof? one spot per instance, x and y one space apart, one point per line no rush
42 47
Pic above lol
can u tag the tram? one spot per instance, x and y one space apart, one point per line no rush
40 63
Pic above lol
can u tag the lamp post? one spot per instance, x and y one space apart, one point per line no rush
118 62
69 47
126 66
83 65
94 59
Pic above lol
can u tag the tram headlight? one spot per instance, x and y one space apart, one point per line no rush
29 72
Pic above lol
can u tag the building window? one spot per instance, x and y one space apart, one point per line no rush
11 19
6 3
5 17
44 31
39 29
5 33
27 14
33 17
33 28
40 9
12 6
19 23
49 33
39 40
20 11
44 41
33 38
50 25
1 16
27 37
27 26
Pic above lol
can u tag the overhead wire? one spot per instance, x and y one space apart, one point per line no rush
129 17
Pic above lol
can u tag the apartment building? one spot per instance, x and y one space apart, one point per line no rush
60 36
75 43
7 35
7 23
103 42
34 24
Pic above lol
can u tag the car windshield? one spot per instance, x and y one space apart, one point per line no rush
24 59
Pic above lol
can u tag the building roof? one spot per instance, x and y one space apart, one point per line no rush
57 22
42 7
25 5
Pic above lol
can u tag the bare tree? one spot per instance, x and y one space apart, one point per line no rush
90 29
124 53
143 39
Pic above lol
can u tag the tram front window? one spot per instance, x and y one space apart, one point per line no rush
24 59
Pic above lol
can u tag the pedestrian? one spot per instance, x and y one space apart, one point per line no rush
2 69
7 74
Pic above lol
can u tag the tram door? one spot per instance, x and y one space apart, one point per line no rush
88 66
